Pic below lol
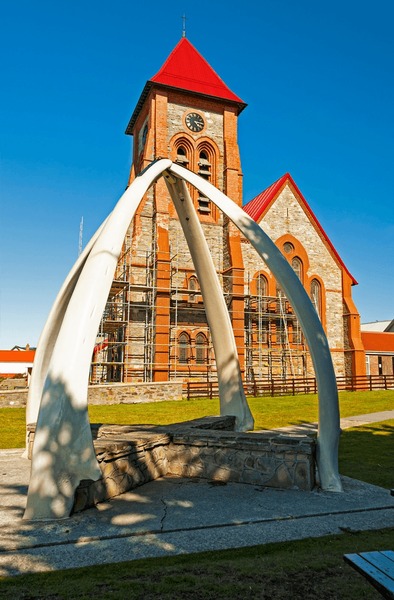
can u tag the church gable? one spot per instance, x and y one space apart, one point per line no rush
286 216
282 207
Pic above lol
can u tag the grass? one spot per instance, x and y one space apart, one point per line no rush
268 412
300 570
306 569
366 453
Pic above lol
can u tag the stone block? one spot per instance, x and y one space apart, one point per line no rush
251 476
130 456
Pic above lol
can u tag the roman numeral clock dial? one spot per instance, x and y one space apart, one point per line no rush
194 122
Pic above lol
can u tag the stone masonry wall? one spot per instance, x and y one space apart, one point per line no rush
130 456
114 393
13 383
214 126
286 216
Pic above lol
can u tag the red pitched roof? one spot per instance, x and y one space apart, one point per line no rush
259 205
185 69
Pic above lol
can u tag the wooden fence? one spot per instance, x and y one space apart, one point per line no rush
290 386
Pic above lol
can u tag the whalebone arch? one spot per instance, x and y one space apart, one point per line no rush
63 452
296 254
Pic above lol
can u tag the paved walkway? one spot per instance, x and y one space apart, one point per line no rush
176 516
346 423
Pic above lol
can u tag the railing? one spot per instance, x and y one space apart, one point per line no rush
366 382
290 386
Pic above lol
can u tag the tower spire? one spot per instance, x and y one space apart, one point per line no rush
183 25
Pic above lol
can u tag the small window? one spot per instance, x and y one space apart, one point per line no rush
262 285
184 348
181 157
204 170
193 286
316 296
279 292
288 247
262 293
201 349
204 166
296 263
380 365
204 205
297 334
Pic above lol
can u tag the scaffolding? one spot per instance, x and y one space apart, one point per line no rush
109 352
273 344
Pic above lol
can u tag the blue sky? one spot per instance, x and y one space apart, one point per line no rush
318 80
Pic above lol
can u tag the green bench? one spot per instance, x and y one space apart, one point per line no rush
377 568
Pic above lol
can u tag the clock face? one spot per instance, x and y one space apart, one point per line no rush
194 122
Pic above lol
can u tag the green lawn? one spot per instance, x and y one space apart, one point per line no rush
302 570
367 453
268 412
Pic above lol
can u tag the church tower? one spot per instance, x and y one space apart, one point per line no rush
154 326
188 114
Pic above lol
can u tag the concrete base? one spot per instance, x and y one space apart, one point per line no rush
208 448
173 516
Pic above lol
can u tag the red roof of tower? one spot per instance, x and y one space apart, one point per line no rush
185 69
258 206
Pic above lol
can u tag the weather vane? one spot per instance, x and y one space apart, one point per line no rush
183 25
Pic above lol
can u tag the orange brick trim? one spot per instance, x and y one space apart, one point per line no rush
298 251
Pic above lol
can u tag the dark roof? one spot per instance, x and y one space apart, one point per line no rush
186 70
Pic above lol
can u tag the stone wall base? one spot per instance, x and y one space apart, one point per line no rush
110 393
208 448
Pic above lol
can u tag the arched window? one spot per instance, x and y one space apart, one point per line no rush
181 156
262 307
183 152
184 348
296 263
193 286
204 166
279 292
262 286
316 296
205 158
201 349
297 333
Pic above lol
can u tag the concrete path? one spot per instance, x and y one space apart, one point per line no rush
346 423
176 516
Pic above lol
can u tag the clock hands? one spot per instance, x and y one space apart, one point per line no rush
195 122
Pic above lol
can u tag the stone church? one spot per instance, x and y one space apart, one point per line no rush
154 326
